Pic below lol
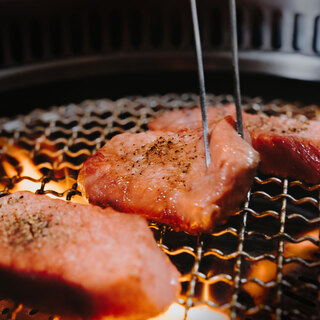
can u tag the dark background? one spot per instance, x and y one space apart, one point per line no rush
23 100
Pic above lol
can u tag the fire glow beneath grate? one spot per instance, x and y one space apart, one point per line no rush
262 264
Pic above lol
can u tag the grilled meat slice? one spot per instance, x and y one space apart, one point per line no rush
287 147
163 176
189 118
80 259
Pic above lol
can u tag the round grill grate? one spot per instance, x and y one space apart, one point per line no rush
262 264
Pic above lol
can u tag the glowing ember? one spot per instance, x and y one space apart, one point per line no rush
177 312
305 249
265 271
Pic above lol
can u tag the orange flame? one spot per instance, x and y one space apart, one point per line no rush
266 270
27 169
203 312
304 249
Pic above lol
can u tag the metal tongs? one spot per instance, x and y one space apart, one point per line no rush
235 66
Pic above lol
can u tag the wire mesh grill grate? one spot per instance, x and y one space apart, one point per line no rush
262 264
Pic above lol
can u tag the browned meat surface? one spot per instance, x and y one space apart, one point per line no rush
80 259
163 176
287 147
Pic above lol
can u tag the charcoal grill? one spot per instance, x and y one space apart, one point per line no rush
262 264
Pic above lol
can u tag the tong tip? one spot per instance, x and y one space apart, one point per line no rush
201 80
